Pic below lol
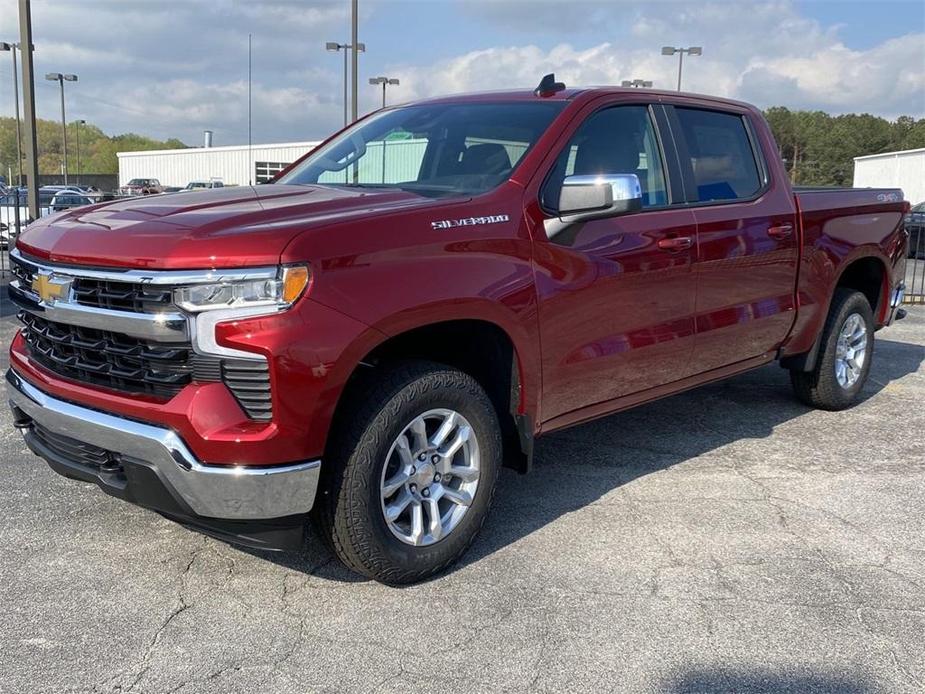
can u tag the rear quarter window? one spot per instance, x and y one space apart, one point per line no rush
721 155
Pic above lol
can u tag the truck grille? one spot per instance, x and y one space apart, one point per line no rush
108 294
122 296
131 365
108 359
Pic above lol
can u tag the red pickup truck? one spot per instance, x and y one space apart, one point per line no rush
371 337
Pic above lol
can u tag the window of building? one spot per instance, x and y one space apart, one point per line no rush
264 171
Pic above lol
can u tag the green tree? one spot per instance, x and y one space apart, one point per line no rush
97 150
819 149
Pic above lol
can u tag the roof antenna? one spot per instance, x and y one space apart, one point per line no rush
548 86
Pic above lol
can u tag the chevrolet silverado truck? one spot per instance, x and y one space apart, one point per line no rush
367 340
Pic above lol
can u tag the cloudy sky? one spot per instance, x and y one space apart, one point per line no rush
167 68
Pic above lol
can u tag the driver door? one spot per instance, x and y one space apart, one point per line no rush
615 295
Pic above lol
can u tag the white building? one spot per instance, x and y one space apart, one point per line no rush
904 170
237 165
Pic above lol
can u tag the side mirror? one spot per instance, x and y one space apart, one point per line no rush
594 197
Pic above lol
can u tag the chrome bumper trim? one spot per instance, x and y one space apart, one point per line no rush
157 327
211 491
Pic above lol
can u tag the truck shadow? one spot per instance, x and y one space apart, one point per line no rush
766 682
578 466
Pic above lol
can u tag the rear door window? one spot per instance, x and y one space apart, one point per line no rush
721 155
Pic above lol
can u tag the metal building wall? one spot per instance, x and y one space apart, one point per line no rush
904 170
233 165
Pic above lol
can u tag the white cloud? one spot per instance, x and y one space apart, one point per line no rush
765 53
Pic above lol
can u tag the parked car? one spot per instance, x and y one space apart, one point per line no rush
91 192
142 186
66 199
373 345
915 225
204 185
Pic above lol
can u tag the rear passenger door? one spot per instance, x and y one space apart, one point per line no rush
746 256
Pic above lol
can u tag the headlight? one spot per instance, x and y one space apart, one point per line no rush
280 292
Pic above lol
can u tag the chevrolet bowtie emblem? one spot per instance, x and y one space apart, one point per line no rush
51 288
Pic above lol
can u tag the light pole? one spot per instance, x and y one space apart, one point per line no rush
671 50
334 47
383 81
78 124
61 79
355 59
11 47
645 84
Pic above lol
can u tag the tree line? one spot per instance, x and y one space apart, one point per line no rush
817 148
97 150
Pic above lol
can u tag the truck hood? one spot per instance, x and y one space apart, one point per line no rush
220 228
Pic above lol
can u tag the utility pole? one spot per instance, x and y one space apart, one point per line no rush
250 150
78 124
61 79
671 50
28 78
383 81
355 53
12 47
334 47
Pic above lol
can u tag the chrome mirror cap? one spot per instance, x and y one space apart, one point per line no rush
594 196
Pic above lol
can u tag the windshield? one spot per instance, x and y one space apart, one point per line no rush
436 149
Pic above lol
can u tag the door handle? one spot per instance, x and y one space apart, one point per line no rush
676 243
780 232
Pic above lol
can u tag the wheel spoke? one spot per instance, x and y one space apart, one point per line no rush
840 367
449 423
419 433
417 523
397 507
435 524
466 474
404 450
461 437
457 496
394 483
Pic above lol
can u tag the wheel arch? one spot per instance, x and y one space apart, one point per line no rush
475 345
862 271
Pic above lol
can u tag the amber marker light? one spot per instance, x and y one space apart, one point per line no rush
295 280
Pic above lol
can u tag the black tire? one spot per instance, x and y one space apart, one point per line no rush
820 387
349 510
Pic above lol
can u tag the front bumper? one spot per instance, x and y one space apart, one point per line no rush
152 466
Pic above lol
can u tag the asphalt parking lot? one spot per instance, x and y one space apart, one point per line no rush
727 539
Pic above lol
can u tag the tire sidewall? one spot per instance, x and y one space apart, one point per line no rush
370 456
